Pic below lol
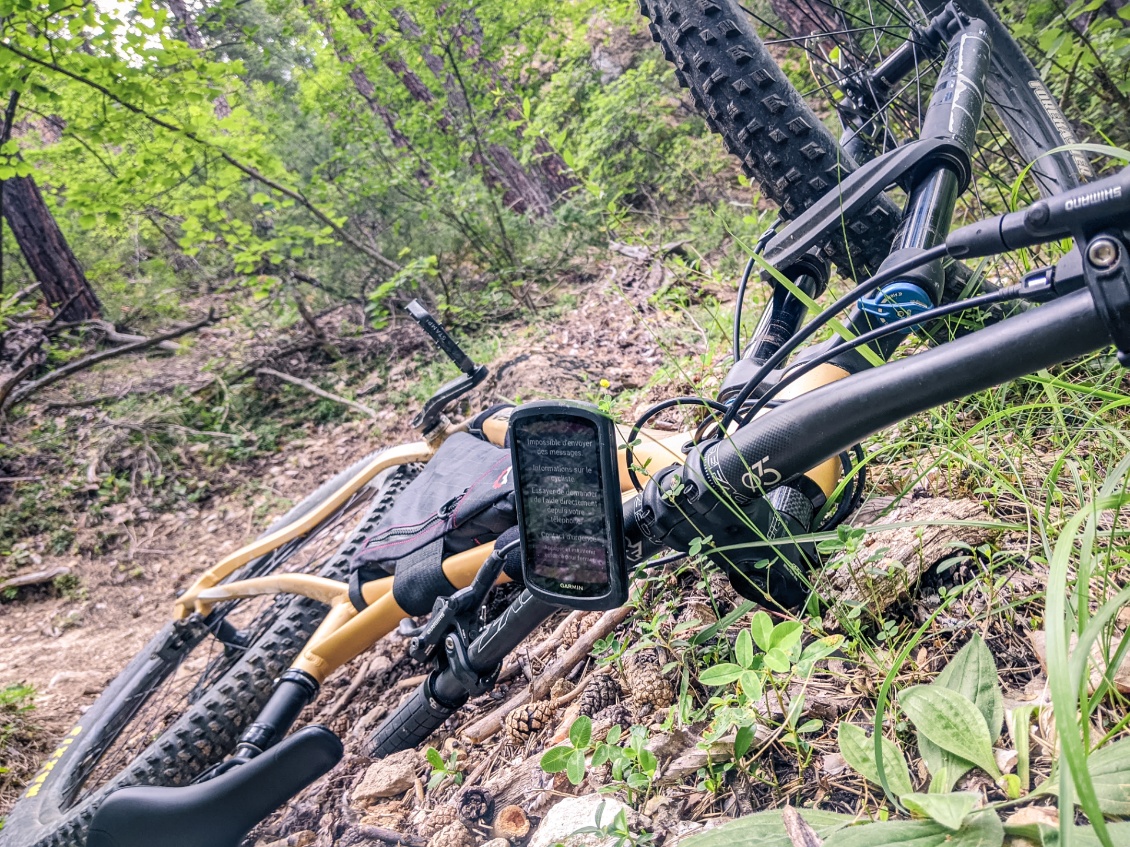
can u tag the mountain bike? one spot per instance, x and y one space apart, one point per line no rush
192 737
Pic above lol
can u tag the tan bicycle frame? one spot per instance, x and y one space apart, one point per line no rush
346 632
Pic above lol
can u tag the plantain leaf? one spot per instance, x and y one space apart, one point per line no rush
952 722
1110 773
982 830
767 829
950 810
858 750
973 672
1045 835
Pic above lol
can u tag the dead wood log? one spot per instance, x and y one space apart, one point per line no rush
539 689
86 362
892 561
37 578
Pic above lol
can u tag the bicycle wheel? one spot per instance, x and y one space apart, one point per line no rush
730 56
179 707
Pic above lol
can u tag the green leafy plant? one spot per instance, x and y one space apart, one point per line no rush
767 657
571 757
443 769
633 766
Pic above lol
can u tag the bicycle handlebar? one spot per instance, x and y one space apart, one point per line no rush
798 435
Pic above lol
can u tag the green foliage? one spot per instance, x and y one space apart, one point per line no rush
443 769
633 766
767 657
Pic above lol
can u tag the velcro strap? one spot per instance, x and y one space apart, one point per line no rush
419 579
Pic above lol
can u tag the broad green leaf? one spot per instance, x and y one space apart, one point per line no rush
743 649
433 757
1045 835
945 768
743 740
786 635
722 674
952 722
1109 767
777 660
575 767
973 672
556 759
1110 773
767 829
580 733
751 685
858 750
819 649
947 809
982 830
761 627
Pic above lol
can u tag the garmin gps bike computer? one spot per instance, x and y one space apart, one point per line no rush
570 513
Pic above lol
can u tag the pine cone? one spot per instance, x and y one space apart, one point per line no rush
452 835
646 682
601 692
524 721
615 715
437 819
576 626
475 804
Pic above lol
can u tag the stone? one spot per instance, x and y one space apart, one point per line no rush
387 778
575 813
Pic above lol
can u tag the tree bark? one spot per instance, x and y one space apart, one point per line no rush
802 19
46 251
194 40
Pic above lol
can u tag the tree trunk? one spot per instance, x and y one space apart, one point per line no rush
56 269
802 19
521 192
194 40
555 176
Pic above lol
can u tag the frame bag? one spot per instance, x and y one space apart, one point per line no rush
464 497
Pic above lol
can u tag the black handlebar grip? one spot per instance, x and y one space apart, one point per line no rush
412 723
439 335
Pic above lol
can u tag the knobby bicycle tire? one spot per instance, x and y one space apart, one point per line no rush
210 726
738 87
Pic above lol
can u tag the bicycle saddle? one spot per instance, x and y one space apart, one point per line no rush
219 812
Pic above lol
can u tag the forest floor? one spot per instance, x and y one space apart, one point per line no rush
67 641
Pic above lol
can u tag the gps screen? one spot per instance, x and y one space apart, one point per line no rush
566 532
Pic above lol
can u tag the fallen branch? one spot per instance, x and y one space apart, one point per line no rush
18 377
313 389
96 358
37 578
24 292
487 726
514 665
